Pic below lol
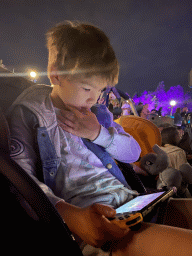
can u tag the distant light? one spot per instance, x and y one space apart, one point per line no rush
33 74
172 103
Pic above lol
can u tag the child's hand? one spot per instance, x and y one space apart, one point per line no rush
94 227
91 224
82 123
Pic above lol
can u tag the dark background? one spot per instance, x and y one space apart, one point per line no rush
152 38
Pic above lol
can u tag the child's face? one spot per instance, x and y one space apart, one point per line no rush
83 92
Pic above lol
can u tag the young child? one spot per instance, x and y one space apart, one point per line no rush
81 64
47 124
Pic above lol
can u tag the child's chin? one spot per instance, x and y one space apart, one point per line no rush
86 107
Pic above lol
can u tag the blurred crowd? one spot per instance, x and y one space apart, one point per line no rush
121 107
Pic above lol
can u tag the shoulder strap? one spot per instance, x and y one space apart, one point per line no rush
108 162
106 159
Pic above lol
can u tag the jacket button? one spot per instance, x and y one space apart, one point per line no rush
109 166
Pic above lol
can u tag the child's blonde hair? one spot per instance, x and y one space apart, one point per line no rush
81 49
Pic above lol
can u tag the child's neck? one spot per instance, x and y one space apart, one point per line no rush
57 102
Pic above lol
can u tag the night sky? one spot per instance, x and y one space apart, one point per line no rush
152 39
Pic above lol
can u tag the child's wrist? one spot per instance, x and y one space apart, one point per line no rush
95 136
67 212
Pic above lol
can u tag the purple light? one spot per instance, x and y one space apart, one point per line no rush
161 98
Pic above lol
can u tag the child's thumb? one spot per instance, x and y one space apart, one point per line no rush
105 210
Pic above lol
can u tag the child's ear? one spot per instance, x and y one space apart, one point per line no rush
54 77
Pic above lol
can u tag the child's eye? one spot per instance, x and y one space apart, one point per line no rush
87 90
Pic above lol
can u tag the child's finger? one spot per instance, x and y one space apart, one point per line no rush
67 114
66 121
79 112
66 127
105 210
85 111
